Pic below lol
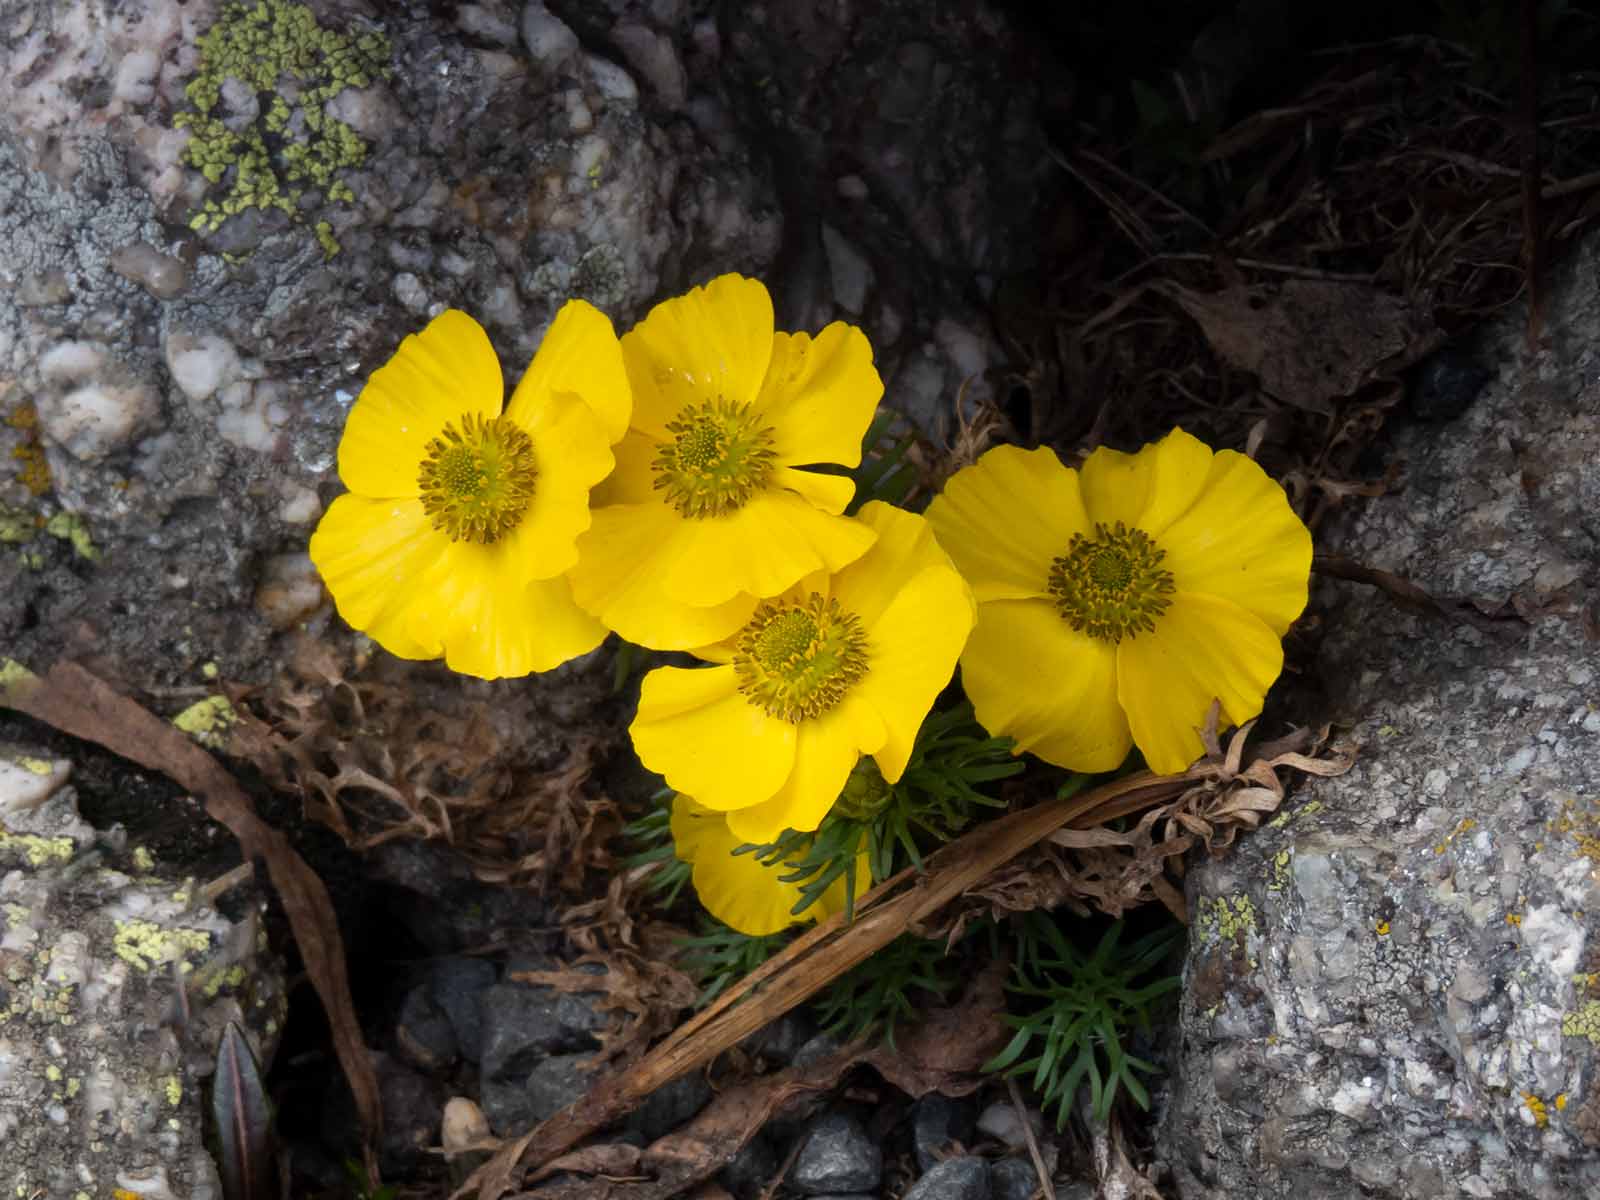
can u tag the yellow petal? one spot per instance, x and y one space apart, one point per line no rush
712 343
1241 541
621 559
830 493
375 556
736 889
696 730
1203 648
1006 518
905 546
437 376
1030 677
825 751
763 548
820 394
913 648
580 356
495 625
572 454
739 890
1148 490
632 480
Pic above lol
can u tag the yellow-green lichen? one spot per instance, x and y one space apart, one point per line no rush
33 850
70 527
12 673
18 525
1229 919
208 721
145 945
276 49
1583 1022
1281 862
174 1091
143 860
209 669
52 1073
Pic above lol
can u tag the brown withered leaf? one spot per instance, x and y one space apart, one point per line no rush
78 703
1115 870
1310 341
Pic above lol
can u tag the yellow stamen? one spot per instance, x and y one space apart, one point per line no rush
719 457
478 478
798 660
1112 585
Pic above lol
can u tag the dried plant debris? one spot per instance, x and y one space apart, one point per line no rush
1280 277
1113 870
375 760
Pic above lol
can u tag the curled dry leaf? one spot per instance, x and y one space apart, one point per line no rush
1310 341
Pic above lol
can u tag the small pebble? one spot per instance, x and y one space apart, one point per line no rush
837 1156
965 1178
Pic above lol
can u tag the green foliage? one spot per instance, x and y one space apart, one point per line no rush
933 801
877 994
1081 1006
884 473
721 956
362 1186
653 834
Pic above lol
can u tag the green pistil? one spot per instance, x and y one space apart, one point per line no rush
478 480
719 457
796 661
1112 585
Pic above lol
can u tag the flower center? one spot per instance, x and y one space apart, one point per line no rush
798 660
719 457
477 479
1112 585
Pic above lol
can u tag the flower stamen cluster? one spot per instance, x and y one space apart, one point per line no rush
797 660
720 456
478 478
1112 585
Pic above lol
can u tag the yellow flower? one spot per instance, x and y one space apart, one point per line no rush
462 519
737 889
708 511
1114 603
835 667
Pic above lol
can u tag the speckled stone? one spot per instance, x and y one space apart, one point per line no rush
836 1156
1392 989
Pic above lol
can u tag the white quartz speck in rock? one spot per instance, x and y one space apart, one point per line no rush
201 364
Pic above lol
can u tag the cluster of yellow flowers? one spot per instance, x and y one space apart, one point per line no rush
682 486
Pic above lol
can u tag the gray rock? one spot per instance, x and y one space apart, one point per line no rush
965 1178
513 1105
669 1106
1391 988
750 1170
1013 1179
457 985
413 1107
522 1025
105 239
836 1156
814 1050
424 1034
937 1123
103 1067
